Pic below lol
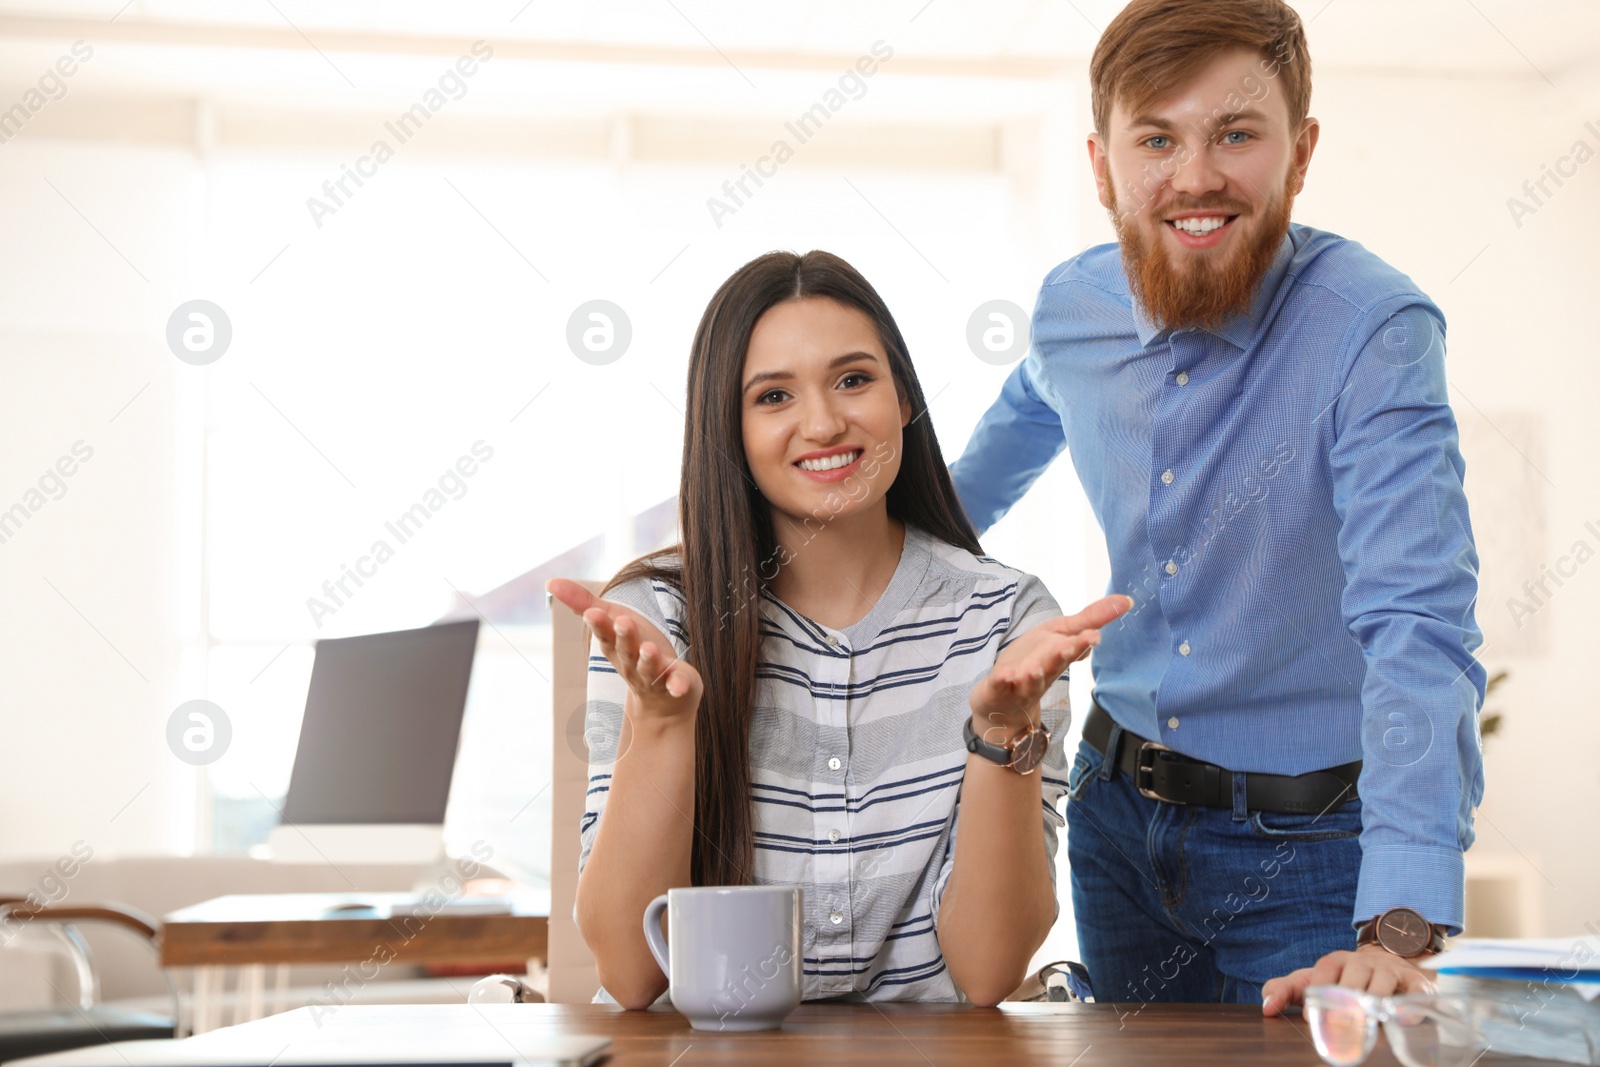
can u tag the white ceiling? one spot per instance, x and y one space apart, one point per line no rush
1465 35
711 54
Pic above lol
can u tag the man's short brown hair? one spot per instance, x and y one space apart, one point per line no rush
1154 47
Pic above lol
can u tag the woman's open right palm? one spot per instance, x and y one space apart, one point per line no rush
661 685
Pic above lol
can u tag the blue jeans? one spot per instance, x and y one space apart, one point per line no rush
1181 903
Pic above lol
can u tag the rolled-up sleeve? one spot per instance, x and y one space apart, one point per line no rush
1410 567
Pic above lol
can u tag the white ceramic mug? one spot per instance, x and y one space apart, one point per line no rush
732 953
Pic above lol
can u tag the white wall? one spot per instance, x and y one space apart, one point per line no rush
92 581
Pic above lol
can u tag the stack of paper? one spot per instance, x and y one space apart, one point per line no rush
1539 996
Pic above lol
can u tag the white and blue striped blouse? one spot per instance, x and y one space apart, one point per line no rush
857 758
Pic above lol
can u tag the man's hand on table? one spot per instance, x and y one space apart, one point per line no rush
1370 968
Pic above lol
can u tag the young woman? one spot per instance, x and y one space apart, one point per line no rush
789 685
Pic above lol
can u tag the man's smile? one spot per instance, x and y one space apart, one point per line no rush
1200 231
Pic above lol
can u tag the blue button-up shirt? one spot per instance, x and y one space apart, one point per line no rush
1282 498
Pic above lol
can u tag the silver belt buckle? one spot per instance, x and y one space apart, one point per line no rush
1144 772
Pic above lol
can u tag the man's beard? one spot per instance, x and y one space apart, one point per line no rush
1209 292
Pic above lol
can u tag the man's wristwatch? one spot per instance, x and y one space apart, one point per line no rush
1402 931
1023 753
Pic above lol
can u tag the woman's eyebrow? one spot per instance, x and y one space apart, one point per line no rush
835 362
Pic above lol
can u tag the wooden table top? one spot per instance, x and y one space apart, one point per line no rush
937 1035
954 1035
318 928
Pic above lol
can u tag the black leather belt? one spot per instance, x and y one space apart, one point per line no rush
1162 774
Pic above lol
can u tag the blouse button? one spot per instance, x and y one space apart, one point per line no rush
832 640
836 918
833 763
833 836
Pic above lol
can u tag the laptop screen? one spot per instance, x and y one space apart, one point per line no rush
382 719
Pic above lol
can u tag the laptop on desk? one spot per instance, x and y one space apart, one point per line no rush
361 1035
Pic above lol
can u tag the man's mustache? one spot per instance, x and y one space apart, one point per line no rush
1215 207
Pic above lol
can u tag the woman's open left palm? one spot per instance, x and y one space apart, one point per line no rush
1030 664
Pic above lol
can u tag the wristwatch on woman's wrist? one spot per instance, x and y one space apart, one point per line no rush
1402 931
1023 753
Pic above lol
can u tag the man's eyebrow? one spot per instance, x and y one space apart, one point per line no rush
835 362
1153 121
1248 114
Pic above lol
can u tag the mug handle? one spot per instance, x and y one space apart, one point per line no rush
652 934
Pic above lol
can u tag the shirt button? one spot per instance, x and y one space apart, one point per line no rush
833 835
836 918
1183 377
1172 723
832 640
1184 648
1171 568
833 763
1166 477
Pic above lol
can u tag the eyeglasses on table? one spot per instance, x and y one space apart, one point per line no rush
1424 1030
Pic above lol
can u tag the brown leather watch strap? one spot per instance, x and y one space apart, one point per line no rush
1403 932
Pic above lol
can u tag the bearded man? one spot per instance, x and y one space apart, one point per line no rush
1277 778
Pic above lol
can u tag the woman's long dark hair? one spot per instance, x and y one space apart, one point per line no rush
728 547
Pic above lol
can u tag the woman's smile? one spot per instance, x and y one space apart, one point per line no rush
830 465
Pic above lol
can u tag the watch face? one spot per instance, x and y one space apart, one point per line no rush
1027 752
1403 932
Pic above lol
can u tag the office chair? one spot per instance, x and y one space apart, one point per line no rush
86 1022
